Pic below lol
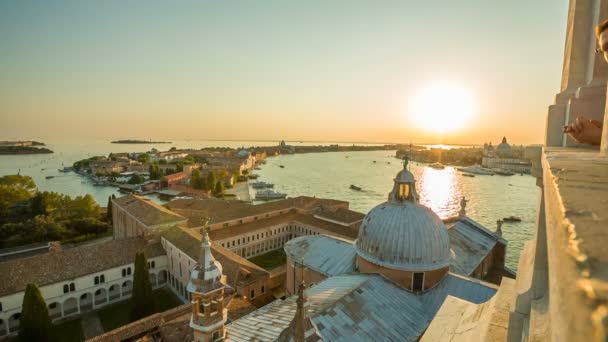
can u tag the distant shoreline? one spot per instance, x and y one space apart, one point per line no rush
16 150
139 142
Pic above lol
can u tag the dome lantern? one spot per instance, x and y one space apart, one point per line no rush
404 189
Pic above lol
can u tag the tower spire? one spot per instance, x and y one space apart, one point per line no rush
301 326
207 288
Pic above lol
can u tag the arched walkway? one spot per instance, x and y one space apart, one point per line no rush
126 288
152 277
55 310
3 328
162 277
86 302
101 296
114 292
70 306
13 322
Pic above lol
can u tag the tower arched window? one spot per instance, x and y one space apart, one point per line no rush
404 192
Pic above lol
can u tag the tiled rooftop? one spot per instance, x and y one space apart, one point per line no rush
72 263
147 211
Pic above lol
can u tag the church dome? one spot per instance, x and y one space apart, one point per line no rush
504 146
403 234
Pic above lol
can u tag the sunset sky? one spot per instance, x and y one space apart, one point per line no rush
268 70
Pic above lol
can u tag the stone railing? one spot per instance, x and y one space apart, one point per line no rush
562 282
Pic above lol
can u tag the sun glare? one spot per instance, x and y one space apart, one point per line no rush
443 107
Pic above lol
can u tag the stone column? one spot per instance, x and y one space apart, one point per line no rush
584 74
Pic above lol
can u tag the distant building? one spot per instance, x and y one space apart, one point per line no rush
504 157
176 178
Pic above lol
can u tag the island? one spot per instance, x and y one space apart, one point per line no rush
131 141
22 147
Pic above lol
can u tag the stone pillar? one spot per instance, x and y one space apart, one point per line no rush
584 74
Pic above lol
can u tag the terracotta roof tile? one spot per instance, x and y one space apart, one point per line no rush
238 271
147 211
72 263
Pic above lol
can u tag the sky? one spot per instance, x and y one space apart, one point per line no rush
269 70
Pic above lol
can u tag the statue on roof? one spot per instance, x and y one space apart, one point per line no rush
499 224
463 206
406 159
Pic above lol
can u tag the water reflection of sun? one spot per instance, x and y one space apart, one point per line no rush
438 190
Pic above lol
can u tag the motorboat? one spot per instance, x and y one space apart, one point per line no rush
282 166
512 219
468 175
266 195
253 176
262 185
354 187
503 172
437 166
49 177
476 169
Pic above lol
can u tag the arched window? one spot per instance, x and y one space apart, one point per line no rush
96 280
102 278
128 270
72 287
66 288
124 272
404 192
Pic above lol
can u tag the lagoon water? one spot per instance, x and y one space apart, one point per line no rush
327 175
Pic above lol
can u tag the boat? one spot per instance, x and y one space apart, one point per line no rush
503 172
282 166
354 187
266 195
468 175
253 176
512 219
437 166
476 169
257 168
262 185
49 177
374 161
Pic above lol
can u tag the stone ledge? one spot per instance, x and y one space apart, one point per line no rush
576 213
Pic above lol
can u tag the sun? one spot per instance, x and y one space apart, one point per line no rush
443 107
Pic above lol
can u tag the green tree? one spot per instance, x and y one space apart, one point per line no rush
211 180
136 179
35 323
155 172
196 180
83 206
13 190
38 204
109 209
142 300
219 188
144 158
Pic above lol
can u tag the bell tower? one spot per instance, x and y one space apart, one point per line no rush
207 288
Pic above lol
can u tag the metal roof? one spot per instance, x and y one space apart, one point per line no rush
465 288
328 255
359 307
470 243
406 236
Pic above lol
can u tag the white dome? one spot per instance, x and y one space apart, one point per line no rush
403 234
